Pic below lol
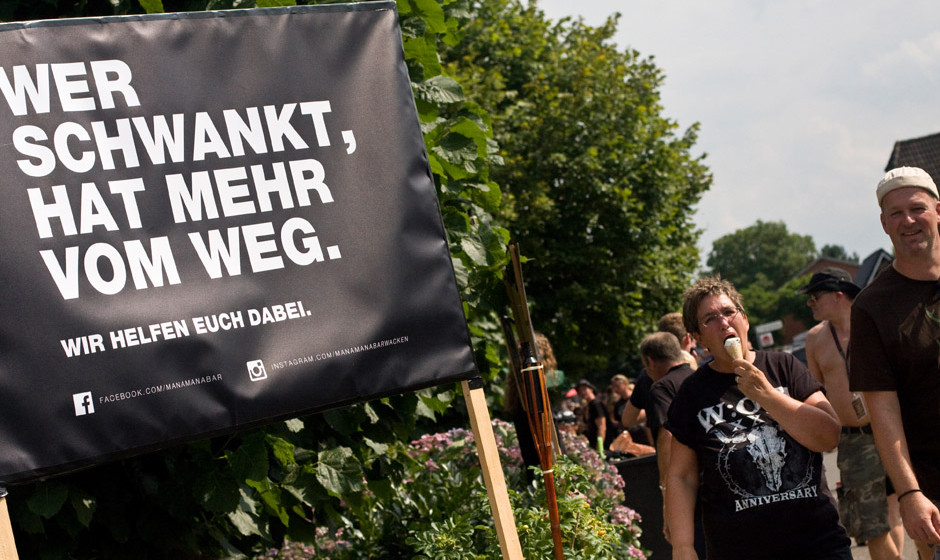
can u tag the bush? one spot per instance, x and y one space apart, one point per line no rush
439 510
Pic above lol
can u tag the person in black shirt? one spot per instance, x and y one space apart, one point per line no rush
664 357
595 428
894 358
620 393
748 436
633 417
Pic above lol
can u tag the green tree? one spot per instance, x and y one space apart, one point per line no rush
599 187
837 252
765 303
761 260
760 299
794 304
765 253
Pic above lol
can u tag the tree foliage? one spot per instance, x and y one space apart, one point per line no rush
766 303
761 261
765 253
794 304
838 252
599 188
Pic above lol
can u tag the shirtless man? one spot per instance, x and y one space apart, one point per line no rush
866 513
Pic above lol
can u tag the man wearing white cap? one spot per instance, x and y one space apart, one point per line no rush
894 358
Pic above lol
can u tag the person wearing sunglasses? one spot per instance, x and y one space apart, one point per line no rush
867 512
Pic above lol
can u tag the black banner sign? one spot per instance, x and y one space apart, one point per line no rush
211 221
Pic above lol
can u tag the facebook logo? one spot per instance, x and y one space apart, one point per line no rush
83 404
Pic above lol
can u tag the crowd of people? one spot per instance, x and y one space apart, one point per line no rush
739 433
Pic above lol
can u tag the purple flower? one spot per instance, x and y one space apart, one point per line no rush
622 515
635 553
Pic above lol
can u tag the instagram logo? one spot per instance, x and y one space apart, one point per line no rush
84 404
256 371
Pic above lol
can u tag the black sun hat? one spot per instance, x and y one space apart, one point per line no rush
586 383
831 279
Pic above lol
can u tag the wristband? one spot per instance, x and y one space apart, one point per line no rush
911 491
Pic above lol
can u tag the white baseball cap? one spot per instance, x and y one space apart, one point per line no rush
900 177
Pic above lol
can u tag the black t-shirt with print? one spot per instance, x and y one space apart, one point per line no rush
763 495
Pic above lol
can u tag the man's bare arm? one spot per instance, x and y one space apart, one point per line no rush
682 485
632 416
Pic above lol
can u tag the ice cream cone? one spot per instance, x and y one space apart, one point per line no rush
733 347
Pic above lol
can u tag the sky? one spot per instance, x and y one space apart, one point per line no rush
799 102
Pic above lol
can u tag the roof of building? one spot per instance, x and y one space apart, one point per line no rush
822 262
871 266
923 152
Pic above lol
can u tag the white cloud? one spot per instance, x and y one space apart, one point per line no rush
914 59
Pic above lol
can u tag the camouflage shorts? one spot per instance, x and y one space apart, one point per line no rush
863 504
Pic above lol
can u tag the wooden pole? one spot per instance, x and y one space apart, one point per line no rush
538 410
534 392
492 469
7 544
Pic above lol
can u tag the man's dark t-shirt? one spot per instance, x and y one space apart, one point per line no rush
895 334
661 394
640 397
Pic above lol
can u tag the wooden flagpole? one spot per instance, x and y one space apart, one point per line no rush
530 379
492 470
7 544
